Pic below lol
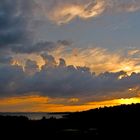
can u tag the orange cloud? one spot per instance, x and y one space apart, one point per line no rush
20 59
62 11
99 59
23 100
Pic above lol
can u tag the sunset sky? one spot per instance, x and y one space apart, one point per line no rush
68 55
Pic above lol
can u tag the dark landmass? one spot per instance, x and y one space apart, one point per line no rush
59 113
108 122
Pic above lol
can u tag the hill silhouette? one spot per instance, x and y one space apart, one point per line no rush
117 121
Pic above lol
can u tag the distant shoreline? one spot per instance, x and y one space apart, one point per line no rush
35 115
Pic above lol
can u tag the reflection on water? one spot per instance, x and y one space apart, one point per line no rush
93 131
35 116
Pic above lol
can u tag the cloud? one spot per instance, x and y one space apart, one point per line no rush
63 11
15 26
11 79
61 81
49 60
5 59
100 59
31 67
97 59
126 5
42 46
14 21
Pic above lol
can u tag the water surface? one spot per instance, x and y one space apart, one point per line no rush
35 115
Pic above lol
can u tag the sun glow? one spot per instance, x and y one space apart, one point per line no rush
129 101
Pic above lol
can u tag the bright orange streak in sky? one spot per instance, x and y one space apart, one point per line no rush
44 104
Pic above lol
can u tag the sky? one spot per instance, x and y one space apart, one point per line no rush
68 55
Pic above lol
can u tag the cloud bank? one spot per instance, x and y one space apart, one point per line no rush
59 80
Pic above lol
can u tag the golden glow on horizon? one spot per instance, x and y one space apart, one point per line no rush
129 101
23 100
45 104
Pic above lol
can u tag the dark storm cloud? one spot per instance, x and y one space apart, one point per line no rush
11 78
49 60
31 67
66 81
16 31
13 22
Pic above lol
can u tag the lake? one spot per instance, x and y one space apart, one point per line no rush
35 115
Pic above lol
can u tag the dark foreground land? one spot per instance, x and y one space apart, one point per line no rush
112 122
